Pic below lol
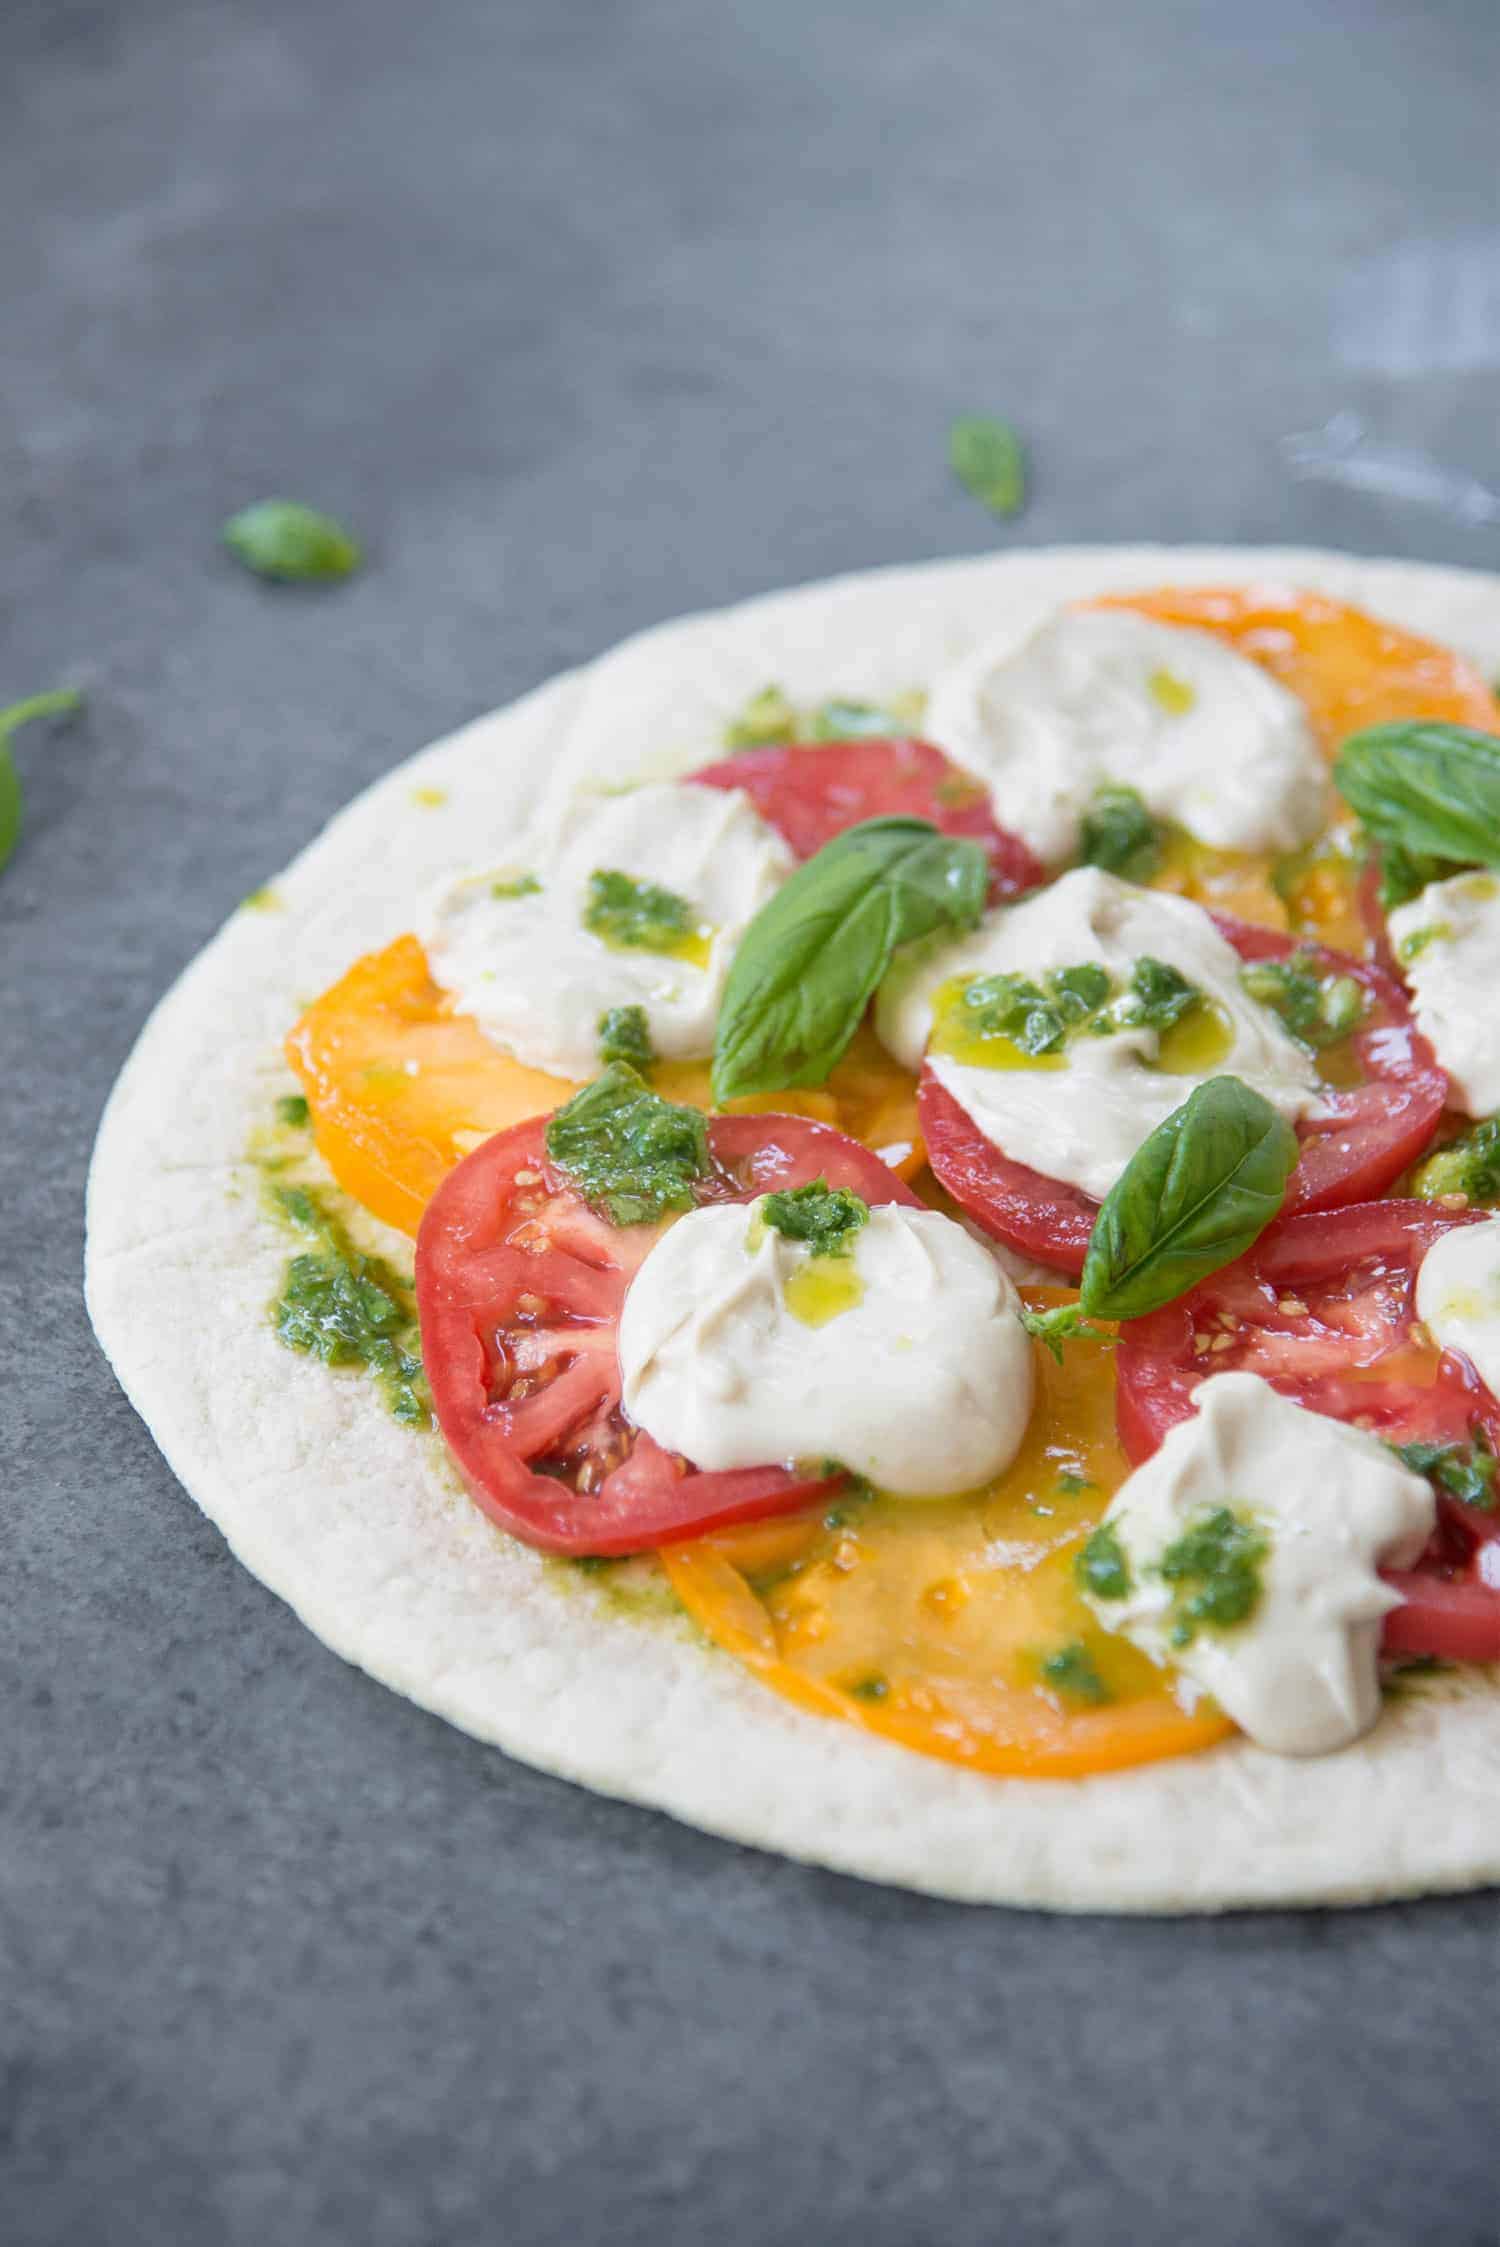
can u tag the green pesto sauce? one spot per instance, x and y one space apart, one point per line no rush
824 1218
1005 1021
625 1035
1468 1165
293 1111
1465 1470
1071 1672
632 916
1317 1009
771 717
1101 1568
1214 1567
348 1309
632 1155
1120 835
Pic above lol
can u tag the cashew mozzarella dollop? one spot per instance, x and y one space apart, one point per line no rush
512 947
1447 939
903 1357
1102 697
1313 1507
1458 1296
1081 1113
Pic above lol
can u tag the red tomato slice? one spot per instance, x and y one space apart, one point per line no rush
519 1290
1323 1309
1369 1135
810 793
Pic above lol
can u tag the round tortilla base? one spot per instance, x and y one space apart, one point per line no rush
361 1526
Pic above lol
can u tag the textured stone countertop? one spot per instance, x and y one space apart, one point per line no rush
586 315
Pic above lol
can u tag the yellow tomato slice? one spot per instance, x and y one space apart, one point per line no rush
932 1621
1350 670
401 1087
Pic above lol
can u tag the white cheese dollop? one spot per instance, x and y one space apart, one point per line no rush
537 980
923 1383
1458 1296
1099 696
1447 939
1084 1121
1333 1503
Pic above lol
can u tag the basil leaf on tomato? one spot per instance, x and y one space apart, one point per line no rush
810 960
1427 792
1195 1195
12 806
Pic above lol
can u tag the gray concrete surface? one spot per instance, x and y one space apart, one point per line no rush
586 315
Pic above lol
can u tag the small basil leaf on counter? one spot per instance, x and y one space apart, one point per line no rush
985 455
810 960
280 538
62 703
1426 792
1195 1195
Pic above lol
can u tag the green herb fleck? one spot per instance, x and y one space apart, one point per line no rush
632 916
1071 1671
767 717
263 900
1468 1165
1215 1565
280 538
1061 1324
985 455
1101 1568
1159 996
625 1035
1465 1470
872 1688
825 1217
349 1309
293 1111
632 1155
62 702
842 720
1316 1007
1071 1485
516 885
1120 834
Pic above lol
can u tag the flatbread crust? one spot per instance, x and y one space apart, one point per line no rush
361 1526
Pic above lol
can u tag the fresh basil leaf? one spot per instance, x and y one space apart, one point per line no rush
1053 1328
281 538
1194 1195
810 960
985 455
1425 791
62 703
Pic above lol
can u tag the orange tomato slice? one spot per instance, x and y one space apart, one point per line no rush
931 1622
401 1087
1349 669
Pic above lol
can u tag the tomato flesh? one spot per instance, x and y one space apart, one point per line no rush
1323 1308
1369 1134
401 1087
519 1292
929 1621
810 792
